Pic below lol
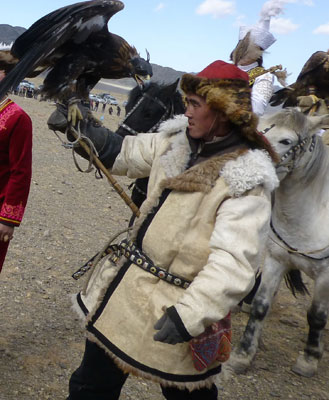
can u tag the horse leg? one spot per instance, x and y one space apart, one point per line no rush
317 315
241 358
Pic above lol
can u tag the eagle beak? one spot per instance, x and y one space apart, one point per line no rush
142 80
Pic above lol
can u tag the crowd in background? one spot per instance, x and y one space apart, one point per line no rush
29 91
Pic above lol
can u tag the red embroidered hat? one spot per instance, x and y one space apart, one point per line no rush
223 70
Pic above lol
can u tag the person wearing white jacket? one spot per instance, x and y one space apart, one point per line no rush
248 56
157 305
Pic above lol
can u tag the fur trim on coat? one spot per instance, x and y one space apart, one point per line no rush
251 169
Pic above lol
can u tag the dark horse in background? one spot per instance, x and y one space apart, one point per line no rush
145 111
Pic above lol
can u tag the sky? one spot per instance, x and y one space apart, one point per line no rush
187 35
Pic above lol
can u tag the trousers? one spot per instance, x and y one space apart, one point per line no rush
99 378
3 252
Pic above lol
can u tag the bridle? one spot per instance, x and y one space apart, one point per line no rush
297 150
293 152
168 113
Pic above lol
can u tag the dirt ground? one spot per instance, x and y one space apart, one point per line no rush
69 217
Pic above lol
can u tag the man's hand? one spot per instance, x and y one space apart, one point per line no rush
6 232
168 332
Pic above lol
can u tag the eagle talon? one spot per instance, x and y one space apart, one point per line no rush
74 114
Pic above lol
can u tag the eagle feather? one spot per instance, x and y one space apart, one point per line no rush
76 49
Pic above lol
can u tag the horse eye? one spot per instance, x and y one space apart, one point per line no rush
285 141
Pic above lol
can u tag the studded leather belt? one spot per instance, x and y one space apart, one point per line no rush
135 255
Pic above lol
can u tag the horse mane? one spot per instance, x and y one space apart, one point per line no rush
155 88
133 97
290 118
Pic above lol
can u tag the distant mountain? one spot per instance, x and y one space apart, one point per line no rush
9 34
165 74
161 74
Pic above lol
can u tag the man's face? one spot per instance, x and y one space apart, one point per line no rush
2 74
201 118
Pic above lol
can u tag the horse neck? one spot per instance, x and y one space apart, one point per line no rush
297 202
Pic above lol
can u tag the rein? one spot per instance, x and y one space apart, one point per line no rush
168 113
291 249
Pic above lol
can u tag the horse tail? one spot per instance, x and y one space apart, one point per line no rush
295 282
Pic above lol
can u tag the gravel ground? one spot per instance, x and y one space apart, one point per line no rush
69 217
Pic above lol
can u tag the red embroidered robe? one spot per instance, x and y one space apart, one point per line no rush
15 165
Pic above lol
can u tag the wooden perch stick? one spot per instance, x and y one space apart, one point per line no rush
96 161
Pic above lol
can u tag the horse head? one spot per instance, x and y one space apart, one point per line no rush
146 109
294 137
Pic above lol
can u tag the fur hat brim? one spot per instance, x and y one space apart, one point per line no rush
231 96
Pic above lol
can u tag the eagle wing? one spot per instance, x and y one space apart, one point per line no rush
316 61
50 39
315 72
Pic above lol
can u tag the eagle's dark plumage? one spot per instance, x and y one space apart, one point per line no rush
75 47
315 73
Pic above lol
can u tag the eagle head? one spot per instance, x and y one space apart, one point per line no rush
141 70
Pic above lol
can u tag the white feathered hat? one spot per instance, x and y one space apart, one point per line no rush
260 34
254 39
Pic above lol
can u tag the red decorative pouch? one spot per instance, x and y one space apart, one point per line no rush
214 344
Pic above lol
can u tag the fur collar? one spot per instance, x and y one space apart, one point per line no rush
172 125
242 169
249 170
175 160
201 177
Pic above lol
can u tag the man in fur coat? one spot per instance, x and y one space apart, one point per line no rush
159 307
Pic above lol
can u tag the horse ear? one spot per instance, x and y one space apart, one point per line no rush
171 89
148 55
319 122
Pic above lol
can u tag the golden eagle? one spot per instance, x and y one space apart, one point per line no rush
314 74
76 49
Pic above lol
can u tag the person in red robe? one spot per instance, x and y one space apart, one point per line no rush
15 168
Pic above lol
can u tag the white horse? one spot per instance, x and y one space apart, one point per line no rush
299 234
